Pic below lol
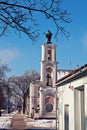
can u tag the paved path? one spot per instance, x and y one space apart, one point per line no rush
18 122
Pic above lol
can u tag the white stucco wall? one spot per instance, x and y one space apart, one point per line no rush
66 96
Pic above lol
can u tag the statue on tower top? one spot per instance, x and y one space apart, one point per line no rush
48 36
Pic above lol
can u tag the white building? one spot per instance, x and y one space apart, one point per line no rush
72 100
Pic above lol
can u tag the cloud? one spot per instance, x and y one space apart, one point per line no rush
7 55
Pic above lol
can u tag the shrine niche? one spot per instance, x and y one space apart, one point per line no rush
49 55
49 76
49 101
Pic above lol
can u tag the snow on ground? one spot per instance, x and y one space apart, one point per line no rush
41 123
6 120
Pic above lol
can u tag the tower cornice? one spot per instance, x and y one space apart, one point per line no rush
52 45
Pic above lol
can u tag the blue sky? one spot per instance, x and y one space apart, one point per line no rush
21 55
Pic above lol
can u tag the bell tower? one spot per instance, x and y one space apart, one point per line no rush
48 78
48 63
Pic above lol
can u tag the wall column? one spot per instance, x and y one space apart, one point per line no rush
41 101
43 53
42 71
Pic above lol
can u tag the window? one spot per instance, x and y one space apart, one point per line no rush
49 76
49 54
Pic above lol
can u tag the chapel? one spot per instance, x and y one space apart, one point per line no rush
42 103
42 92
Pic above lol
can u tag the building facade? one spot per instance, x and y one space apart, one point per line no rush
72 100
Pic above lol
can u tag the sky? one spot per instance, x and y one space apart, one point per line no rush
21 55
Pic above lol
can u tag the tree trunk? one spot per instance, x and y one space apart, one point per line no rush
0 113
24 105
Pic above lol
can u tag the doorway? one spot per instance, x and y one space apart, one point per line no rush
66 117
79 108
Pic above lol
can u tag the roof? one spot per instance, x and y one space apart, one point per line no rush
64 70
72 73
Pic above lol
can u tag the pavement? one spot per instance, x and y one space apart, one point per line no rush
18 122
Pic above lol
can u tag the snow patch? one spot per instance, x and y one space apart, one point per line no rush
41 123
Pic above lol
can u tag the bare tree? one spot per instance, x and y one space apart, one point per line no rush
21 86
21 16
1 98
6 93
3 69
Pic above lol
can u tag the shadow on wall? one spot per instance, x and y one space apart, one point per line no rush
85 123
66 117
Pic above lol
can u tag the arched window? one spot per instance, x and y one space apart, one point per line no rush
49 55
49 76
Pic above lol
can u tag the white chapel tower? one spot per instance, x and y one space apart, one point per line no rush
43 91
48 78
48 63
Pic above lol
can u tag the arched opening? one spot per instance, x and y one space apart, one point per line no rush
49 76
49 55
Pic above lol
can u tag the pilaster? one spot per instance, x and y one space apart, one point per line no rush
41 101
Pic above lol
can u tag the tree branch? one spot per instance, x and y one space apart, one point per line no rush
23 15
